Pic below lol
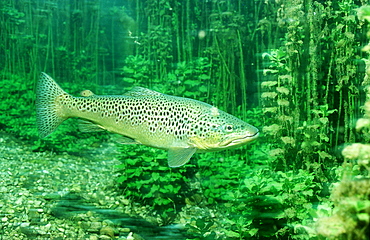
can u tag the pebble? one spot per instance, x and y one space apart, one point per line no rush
108 231
25 224
51 196
125 201
95 227
125 230
104 237
108 222
94 237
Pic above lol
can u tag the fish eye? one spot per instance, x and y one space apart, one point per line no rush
228 128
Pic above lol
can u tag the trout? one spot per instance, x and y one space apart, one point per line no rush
182 126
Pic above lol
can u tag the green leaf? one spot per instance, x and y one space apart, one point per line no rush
155 176
204 77
363 217
192 83
203 89
200 223
253 231
231 234
122 179
128 70
129 80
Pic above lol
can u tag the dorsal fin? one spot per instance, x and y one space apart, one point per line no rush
87 93
141 92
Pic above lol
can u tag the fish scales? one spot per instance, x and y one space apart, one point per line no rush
180 125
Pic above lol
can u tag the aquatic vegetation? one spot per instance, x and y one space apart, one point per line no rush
291 68
350 217
187 79
15 97
256 202
146 179
299 101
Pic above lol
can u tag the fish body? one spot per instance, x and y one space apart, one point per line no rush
182 126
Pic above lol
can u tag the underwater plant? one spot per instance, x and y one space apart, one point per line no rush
350 217
290 67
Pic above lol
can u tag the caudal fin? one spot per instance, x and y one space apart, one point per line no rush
47 109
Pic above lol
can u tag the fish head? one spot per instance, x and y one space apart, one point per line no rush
223 131
236 134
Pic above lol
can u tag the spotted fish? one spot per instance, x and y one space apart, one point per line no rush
182 126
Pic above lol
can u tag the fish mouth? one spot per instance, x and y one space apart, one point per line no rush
240 140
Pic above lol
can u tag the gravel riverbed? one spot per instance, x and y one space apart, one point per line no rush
49 196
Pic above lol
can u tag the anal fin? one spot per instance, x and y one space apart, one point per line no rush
124 139
179 156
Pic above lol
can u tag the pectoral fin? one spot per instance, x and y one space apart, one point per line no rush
179 156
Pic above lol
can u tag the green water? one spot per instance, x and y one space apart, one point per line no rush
297 70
